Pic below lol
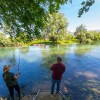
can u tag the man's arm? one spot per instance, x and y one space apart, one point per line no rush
17 76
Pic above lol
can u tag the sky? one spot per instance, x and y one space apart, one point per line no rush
91 19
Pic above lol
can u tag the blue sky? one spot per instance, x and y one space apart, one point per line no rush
90 19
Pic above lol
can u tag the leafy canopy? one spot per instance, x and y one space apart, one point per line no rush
56 26
4 41
80 28
30 15
85 36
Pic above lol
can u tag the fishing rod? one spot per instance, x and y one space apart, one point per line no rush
19 62
18 73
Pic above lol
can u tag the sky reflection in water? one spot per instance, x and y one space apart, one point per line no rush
81 76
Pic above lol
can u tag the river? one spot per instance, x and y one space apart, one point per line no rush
81 80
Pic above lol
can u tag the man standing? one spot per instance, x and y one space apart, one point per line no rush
11 81
57 70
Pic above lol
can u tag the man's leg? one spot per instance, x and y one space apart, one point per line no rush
58 86
18 90
52 86
11 91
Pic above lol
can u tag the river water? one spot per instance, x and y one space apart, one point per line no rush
81 80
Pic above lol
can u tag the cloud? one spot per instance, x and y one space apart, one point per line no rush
86 74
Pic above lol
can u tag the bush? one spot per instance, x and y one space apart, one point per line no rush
4 41
89 41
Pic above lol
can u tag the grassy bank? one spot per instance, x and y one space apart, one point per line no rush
50 42
47 42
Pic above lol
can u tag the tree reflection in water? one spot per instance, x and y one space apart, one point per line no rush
81 80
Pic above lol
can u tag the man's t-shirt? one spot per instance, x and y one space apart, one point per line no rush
57 70
9 79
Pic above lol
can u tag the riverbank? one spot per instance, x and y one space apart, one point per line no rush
81 79
46 42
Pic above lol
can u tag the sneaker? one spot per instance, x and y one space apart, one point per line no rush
51 95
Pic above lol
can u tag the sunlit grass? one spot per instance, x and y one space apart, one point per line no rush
50 42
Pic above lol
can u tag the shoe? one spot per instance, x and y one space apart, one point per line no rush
51 95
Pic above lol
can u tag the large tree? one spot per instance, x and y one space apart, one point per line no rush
4 40
30 15
55 27
80 33
79 29
85 36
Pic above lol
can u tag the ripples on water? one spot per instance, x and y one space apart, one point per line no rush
80 81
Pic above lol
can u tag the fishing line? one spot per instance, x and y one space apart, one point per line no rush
19 62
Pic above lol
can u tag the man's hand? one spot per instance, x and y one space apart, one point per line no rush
17 75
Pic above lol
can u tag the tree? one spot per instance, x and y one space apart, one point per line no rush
55 27
95 36
27 15
30 15
81 37
22 38
85 7
80 33
85 36
10 32
80 29
4 41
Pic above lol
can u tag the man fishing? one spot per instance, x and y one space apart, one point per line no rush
57 71
11 81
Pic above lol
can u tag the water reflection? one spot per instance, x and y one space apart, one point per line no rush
82 49
81 79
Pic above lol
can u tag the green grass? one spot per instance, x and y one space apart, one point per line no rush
50 42
47 42
40 42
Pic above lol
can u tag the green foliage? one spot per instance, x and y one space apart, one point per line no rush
79 29
81 33
30 15
4 41
85 7
69 36
85 36
81 36
22 37
95 36
55 27
89 41
27 15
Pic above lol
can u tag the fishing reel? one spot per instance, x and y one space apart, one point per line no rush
18 73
